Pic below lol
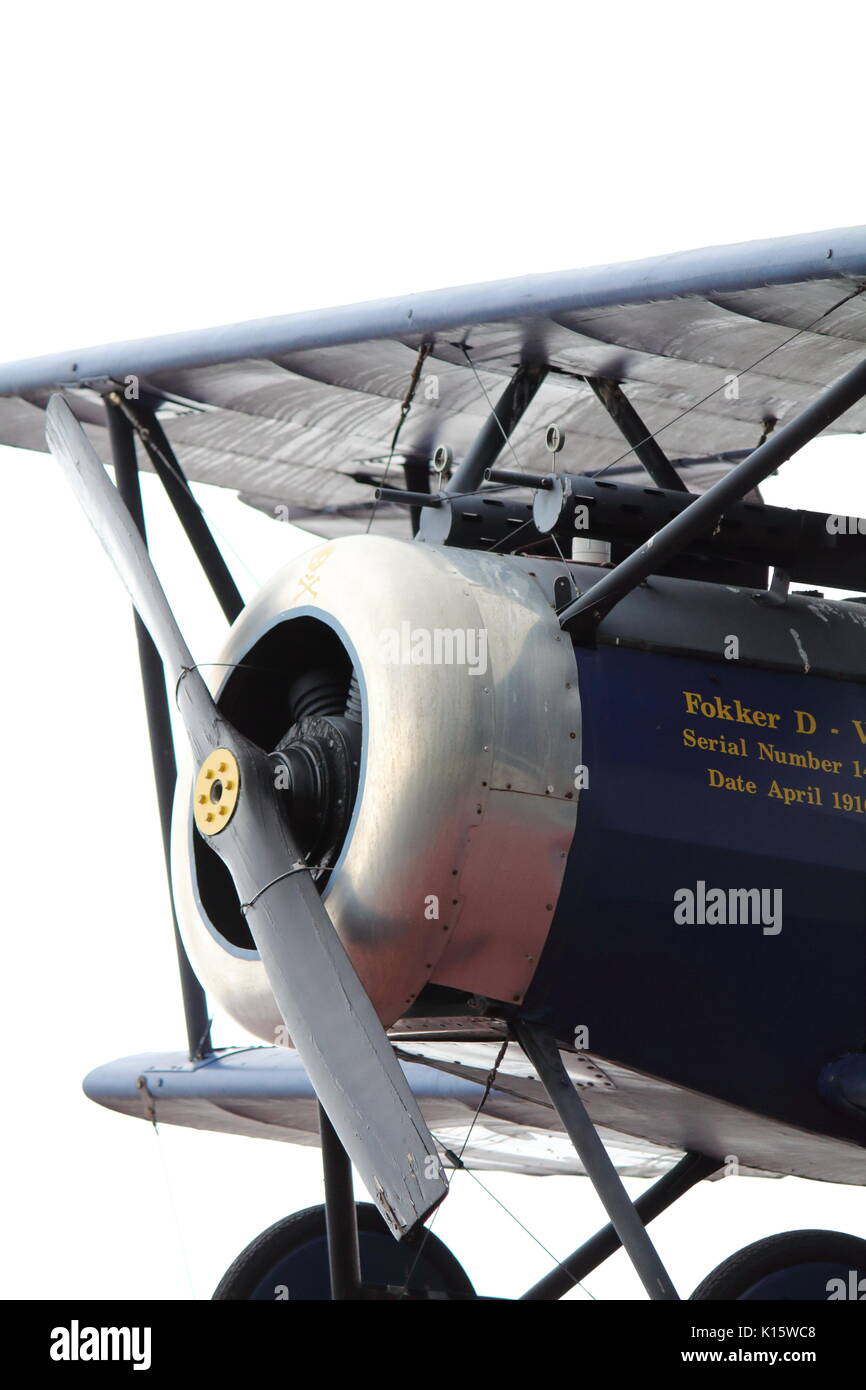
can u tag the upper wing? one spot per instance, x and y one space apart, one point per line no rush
714 346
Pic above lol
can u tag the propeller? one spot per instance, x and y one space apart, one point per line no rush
329 1016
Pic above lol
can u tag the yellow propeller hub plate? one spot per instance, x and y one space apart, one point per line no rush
216 791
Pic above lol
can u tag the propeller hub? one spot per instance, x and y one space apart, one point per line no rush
216 791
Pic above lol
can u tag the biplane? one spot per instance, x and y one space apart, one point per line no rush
522 817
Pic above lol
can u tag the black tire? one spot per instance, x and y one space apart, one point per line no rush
290 1260
794 1267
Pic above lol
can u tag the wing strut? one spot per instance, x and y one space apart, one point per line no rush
497 429
125 463
166 467
703 515
635 433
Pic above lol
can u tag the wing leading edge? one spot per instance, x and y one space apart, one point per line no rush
714 348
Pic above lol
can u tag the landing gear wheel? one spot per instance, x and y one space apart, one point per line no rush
290 1261
798 1266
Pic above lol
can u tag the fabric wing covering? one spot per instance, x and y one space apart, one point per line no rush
712 347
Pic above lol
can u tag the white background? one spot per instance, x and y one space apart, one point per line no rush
172 166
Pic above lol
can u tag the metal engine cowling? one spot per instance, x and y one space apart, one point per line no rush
449 866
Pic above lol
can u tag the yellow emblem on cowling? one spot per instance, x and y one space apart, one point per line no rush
216 791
